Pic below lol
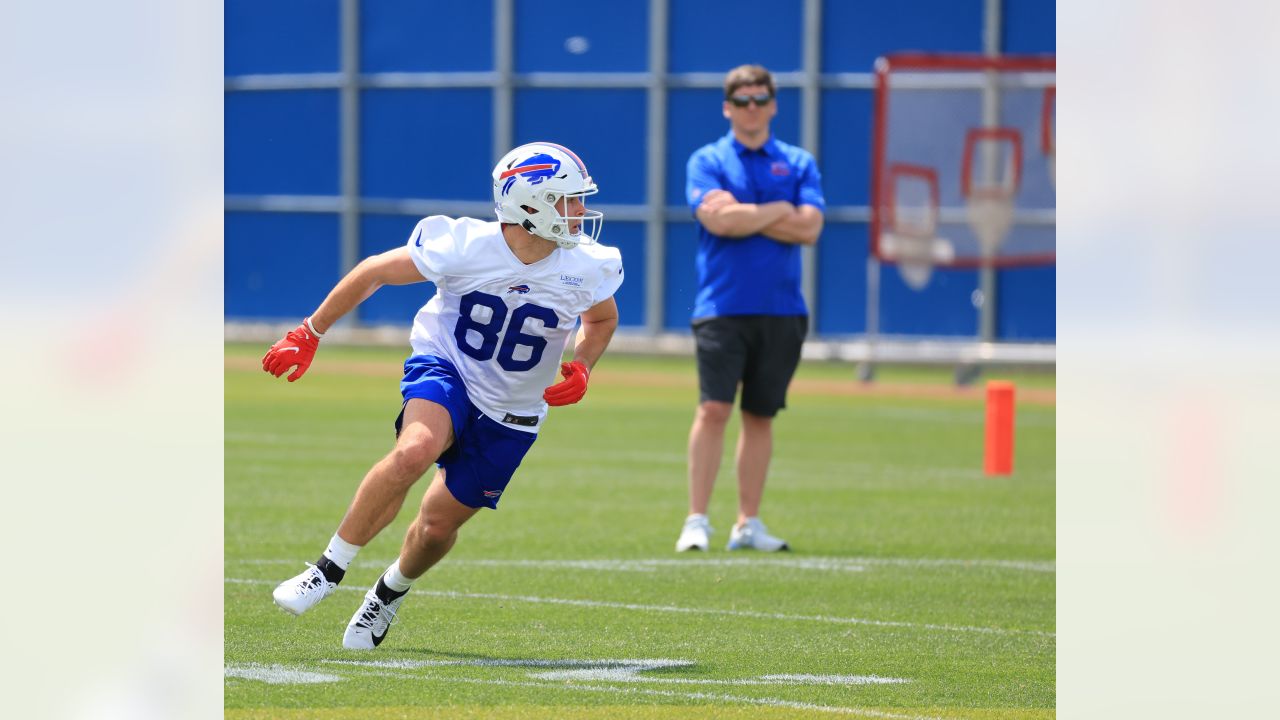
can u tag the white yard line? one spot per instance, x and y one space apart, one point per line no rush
277 674
694 611
628 671
771 702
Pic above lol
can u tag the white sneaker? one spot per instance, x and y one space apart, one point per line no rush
298 594
695 535
369 626
754 535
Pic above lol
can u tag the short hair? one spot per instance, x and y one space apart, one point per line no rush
745 75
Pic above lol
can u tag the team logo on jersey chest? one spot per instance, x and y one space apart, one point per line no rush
571 280
520 289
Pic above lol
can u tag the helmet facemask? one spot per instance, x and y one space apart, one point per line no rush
552 220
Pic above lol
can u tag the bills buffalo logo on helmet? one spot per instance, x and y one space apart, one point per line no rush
535 169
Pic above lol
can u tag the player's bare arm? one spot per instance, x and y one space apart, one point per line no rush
297 349
393 267
598 324
723 215
801 227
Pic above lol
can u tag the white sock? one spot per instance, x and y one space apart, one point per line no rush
340 552
394 579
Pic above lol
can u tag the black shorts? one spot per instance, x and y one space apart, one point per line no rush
759 351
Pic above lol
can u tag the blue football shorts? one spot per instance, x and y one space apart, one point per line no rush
484 454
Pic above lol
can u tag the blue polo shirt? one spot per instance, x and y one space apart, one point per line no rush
754 275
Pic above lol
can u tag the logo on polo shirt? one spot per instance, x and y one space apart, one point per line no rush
779 168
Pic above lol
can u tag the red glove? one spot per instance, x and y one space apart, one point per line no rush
572 388
296 348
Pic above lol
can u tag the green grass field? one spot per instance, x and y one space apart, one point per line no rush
918 588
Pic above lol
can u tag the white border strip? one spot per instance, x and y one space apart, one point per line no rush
845 564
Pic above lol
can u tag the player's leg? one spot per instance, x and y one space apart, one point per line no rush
773 354
429 539
426 431
473 474
435 404
720 356
434 531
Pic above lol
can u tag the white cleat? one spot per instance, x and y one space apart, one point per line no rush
369 626
298 594
753 535
695 535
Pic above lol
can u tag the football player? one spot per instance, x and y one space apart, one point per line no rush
485 351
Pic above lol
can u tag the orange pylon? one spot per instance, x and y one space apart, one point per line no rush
999 451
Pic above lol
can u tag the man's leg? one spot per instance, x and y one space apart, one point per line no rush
774 354
426 432
755 448
720 355
706 446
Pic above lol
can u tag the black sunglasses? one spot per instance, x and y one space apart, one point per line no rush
744 100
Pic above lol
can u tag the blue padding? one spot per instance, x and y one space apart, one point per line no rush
1027 303
842 279
854 34
681 276
417 36
716 35
606 128
589 37
1030 26
278 265
427 144
943 307
281 36
281 142
846 146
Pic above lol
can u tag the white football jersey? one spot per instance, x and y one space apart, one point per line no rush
503 324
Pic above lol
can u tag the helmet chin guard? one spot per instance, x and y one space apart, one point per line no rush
532 186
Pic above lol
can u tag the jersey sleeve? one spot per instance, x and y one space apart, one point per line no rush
811 186
432 246
611 278
701 177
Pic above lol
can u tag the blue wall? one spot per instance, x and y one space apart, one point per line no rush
435 143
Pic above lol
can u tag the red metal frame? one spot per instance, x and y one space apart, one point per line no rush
1047 143
961 61
939 62
971 140
897 170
